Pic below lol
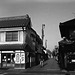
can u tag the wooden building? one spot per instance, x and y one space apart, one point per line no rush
18 42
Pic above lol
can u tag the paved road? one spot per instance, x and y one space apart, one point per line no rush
50 68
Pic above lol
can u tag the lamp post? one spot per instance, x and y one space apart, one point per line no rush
43 27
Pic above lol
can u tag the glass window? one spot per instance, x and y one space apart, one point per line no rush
12 36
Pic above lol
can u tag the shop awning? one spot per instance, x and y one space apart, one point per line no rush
11 47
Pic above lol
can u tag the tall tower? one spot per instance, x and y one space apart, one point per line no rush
43 27
45 43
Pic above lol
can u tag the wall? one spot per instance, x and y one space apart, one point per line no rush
29 40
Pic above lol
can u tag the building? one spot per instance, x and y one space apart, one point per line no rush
18 43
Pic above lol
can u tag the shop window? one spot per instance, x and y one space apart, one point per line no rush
12 36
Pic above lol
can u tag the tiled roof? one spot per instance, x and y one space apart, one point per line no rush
65 42
17 21
66 26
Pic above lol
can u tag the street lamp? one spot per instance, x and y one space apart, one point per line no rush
43 26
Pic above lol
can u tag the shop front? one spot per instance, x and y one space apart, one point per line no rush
16 56
7 59
19 59
12 59
12 56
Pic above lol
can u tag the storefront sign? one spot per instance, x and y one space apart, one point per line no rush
0 57
17 58
7 51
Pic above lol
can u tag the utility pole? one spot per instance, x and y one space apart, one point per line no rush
43 27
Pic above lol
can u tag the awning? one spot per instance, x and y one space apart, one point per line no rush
12 47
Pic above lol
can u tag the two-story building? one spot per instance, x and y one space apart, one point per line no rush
20 45
15 42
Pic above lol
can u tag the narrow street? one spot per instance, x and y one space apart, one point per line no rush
50 68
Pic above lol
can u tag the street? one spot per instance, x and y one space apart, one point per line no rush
50 68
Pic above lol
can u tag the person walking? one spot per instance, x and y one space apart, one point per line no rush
41 61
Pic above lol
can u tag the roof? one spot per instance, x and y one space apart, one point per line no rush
66 42
39 40
16 21
67 46
65 27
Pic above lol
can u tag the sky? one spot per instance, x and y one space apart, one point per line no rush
48 12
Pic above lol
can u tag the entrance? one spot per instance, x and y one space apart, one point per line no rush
8 60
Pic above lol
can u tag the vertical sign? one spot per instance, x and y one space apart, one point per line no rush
0 57
17 58
22 57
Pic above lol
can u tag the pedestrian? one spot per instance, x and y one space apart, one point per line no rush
41 61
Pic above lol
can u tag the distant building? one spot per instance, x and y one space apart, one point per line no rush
19 43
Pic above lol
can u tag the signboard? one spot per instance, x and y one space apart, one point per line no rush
0 57
17 58
22 57
7 51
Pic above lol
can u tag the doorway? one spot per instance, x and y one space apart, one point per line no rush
8 60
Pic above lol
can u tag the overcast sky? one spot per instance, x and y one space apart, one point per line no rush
48 12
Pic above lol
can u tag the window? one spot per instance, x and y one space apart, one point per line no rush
12 36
